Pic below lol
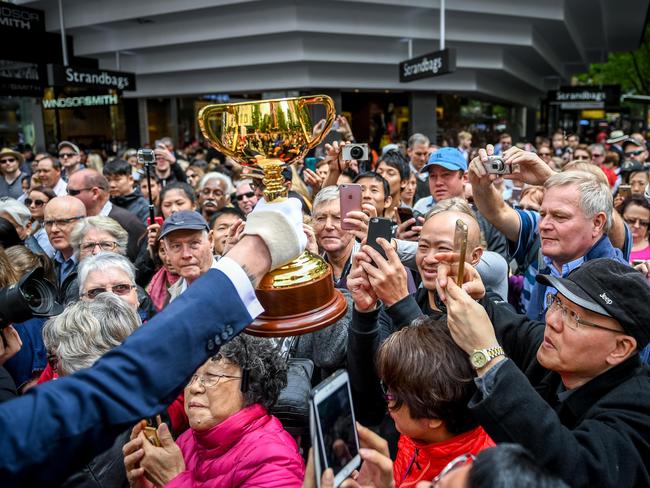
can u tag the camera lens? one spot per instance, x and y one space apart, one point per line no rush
356 152
38 297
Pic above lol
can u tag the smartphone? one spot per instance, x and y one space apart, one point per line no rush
625 191
460 249
379 227
151 431
405 213
350 194
310 163
157 220
335 430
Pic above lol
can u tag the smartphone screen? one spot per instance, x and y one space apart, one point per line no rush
336 429
350 194
625 191
404 214
460 249
379 227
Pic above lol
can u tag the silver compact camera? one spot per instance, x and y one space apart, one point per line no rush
146 156
495 165
355 151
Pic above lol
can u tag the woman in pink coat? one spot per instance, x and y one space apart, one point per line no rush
233 441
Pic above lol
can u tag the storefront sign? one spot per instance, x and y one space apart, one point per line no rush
586 97
20 79
96 78
427 66
83 101
21 18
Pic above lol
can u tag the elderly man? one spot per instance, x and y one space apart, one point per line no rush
571 390
214 193
48 171
571 227
245 196
418 153
11 177
60 216
188 243
92 189
70 158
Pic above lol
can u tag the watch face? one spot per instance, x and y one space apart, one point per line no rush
478 359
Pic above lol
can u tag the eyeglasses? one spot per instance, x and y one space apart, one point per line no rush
119 289
67 155
571 318
595 155
389 397
210 380
634 153
7 160
103 245
62 222
249 194
72 192
582 157
216 193
37 203
453 464
639 222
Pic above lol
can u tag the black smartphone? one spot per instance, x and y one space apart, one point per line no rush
379 227
404 214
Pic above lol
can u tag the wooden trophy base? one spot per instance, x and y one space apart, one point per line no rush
298 309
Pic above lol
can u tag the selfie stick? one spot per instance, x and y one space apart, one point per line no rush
152 212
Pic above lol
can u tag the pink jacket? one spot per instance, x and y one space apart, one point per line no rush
251 448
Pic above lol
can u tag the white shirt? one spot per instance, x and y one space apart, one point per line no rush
61 188
242 284
106 209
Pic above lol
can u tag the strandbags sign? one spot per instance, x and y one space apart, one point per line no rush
427 66
83 101
93 78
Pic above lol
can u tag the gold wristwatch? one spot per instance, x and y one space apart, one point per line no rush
480 357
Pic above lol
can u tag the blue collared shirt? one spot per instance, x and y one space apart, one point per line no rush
66 267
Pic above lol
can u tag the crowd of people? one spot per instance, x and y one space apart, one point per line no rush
528 370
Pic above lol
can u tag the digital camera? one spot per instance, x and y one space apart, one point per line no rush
355 151
495 165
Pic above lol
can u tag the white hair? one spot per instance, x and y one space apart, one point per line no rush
327 194
101 262
103 223
18 212
87 330
214 175
595 196
416 139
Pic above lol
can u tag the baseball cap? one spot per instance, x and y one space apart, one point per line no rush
185 220
69 144
447 157
609 288
632 140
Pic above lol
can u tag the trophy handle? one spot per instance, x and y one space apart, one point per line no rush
330 115
215 111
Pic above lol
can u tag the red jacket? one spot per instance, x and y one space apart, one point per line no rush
422 462
248 449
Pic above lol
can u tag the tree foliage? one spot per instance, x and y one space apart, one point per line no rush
630 69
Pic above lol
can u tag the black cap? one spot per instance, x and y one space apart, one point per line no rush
185 220
612 289
632 140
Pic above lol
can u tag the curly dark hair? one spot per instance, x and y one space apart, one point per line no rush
267 370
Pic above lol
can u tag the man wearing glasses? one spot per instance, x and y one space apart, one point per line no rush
633 149
246 196
70 158
12 176
572 389
60 217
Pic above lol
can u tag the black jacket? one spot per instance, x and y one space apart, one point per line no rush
595 435
134 203
134 228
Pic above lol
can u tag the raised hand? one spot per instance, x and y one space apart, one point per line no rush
386 276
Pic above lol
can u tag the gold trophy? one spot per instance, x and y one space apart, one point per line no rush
270 134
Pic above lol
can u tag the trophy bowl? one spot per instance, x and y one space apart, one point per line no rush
270 134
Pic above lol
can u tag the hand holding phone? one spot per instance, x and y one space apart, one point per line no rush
379 227
350 197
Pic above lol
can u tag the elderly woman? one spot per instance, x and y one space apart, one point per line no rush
233 441
98 234
76 339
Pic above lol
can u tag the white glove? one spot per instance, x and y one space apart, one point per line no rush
279 224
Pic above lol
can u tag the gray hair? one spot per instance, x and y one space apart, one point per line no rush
597 145
327 194
87 330
214 175
595 196
18 212
246 181
99 222
101 262
418 139
267 370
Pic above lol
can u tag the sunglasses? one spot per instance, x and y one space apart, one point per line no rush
66 155
119 289
36 202
73 193
634 153
249 194
7 160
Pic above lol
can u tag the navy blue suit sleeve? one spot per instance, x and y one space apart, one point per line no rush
60 425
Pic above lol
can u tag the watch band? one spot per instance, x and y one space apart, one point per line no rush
481 357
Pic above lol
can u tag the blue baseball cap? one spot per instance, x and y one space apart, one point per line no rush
185 220
447 157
